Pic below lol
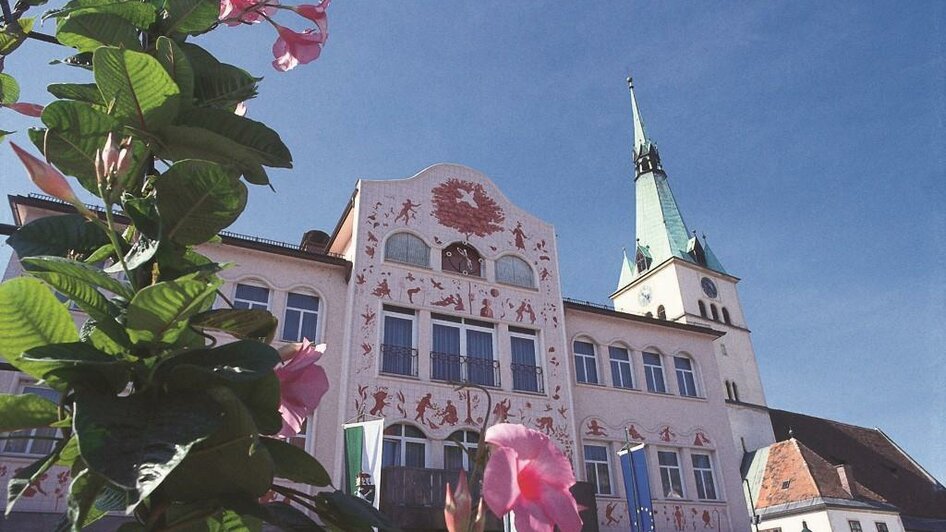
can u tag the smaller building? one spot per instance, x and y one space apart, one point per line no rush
793 489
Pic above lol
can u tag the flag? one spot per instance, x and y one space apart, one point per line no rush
363 442
637 486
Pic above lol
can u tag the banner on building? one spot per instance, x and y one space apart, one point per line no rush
637 486
363 442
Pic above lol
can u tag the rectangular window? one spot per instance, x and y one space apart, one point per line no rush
654 372
463 352
398 355
881 526
585 368
703 473
302 318
37 441
620 367
686 379
597 469
670 478
526 375
251 297
855 526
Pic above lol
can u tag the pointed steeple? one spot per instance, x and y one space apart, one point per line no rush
627 271
661 231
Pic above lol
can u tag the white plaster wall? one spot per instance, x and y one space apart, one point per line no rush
868 519
817 521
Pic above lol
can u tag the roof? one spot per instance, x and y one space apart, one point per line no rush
594 308
879 464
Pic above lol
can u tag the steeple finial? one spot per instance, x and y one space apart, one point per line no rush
640 137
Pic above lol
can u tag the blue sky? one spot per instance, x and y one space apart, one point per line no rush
806 139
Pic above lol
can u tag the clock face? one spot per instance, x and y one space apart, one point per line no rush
644 296
709 287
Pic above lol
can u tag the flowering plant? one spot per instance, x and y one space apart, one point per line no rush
156 417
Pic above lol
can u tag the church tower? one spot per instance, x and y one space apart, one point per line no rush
672 274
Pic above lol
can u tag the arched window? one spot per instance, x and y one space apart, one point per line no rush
715 312
455 457
463 259
726 316
404 445
513 270
586 369
661 312
407 248
686 376
702 309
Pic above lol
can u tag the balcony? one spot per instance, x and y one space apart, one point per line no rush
458 368
527 378
398 360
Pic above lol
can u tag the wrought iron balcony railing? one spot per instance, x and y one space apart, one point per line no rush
459 368
527 378
398 360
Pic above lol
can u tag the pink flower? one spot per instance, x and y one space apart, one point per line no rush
294 48
49 180
301 384
457 508
28 109
529 475
236 12
315 13
113 159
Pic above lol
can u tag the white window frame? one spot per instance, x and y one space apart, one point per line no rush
851 524
881 526
464 326
667 490
302 313
536 350
516 270
406 260
585 359
682 387
700 474
467 436
598 465
412 317
650 373
252 303
616 379
401 440
23 387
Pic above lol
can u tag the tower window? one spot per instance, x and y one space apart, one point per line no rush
702 308
726 316
661 312
735 392
729 390
642 260
715 312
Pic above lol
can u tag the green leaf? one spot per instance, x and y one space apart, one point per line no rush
83 491
64 365
31 316
69 234
253 324
140 14
197 199
83 92
283 516
30 475
257 140
351 513
296 465
87 32
182 142
80 271
92 334
83 61
140 253
143 93
136 441
218 84
159 313
261 397
190 17
13 35
75 131
4 133
175 61
9 89
144 213
230 462
26 411
230 521
69 453
237 361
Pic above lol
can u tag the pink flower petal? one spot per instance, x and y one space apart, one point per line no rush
561 508
28 109
530 517
500 487
46 177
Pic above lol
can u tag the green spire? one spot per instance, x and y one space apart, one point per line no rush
661 231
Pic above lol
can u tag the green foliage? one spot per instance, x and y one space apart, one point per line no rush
31 316
60 236
12 36
136 86
296 465
159 313
191 17
9 89
240 323
83 92
86 32
178 66
140 14
26 411
197 199
218 84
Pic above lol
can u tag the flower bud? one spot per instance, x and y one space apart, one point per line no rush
49 180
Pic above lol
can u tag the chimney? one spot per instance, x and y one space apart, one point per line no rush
846 475
314 241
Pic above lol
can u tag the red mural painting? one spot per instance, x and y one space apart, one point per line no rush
408 211
423 405
501 411
465 206
380 401
700 439
382 290
666 434
633 434
449 416
609 515
595 429
520 236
